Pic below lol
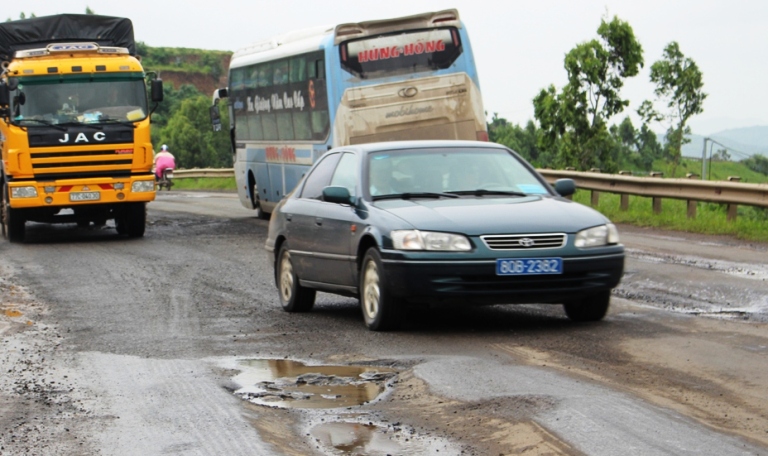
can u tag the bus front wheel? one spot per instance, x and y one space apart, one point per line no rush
257 204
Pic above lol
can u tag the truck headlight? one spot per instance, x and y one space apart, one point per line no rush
143 186
597 236
23 192
430 240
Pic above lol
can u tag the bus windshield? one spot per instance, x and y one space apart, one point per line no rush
78 101
412 51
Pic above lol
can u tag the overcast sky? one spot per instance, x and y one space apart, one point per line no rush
519 46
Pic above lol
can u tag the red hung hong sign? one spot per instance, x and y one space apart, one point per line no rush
410 51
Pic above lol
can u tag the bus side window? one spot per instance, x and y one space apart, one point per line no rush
317 70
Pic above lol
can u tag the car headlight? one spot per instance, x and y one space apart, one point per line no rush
597 236
430 240
23 192
143 186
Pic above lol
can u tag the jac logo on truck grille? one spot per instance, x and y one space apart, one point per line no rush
81 137
45 136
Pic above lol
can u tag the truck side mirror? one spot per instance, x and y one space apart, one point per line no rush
156 86
5 95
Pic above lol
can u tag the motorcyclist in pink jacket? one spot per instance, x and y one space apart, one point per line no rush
163 161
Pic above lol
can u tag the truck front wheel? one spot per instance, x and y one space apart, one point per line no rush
12 219
132 220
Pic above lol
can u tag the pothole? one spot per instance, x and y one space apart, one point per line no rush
291 384
329 394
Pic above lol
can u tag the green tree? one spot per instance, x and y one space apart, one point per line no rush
88 10
757 163
191 138
679 84
522 140
574 121
648 147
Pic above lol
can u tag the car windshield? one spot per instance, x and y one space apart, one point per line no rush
77 101
478 172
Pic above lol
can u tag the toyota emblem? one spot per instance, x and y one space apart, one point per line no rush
527 242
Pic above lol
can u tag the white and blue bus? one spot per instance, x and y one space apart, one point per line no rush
295 96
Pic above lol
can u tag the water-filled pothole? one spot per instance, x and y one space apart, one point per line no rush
292 384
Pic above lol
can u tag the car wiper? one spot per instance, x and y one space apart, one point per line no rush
483 192
44 122
412 195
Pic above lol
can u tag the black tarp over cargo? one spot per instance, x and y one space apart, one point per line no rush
39 32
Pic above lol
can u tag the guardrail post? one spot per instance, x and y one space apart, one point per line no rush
732 212
692 208
656 199
656 205
624 202
595 198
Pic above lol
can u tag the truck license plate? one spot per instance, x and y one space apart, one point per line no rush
84 196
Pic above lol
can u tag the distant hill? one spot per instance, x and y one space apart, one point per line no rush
740 143
206 70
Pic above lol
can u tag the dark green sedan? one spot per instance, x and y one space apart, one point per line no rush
417 223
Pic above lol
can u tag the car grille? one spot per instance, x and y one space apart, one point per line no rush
524 241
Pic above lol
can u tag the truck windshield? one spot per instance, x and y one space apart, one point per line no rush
59 101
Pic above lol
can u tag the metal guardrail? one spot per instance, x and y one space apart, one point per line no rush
684 189
203 172
692 190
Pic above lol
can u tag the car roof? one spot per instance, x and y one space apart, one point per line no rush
420 144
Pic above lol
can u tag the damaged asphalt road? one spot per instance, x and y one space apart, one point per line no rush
176 344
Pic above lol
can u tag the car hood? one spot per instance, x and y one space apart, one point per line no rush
492 215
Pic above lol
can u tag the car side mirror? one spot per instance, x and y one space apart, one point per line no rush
565 187
337 194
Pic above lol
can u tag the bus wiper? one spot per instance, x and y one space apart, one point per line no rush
411 195
44 122
483 192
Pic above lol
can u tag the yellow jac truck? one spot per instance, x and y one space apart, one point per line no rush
74 124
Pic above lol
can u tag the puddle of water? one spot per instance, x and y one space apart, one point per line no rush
291 384
355 439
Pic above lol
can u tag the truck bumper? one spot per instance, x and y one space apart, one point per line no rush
78 192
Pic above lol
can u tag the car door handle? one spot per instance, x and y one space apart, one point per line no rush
319 221
288 217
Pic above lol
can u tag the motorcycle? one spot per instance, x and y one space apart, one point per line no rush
166 180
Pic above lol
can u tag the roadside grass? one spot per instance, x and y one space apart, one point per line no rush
223 184
716 170
751 222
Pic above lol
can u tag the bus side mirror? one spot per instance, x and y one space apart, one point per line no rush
215 117
156 86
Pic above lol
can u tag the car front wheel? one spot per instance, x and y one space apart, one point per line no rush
293 297
590 308
380 311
